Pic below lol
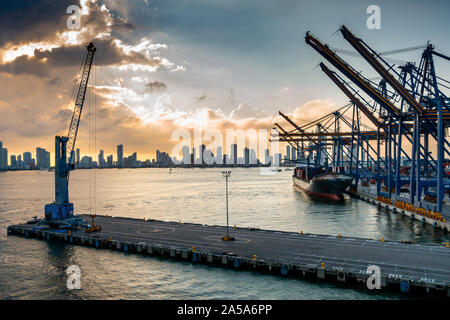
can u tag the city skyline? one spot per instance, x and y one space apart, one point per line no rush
189 156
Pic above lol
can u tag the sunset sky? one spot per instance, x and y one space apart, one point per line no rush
163 65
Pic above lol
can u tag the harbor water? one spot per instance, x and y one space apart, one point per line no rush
33 269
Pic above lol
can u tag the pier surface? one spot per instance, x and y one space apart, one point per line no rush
340 258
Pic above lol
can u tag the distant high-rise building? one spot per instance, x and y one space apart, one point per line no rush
13 162
27 160
78 157
253 158
4 157
186 155
19 162
101 159
202 154
233 155
219 157
288 153
86 162
120 155
42 158
208 157
266 156
72 157
134 160
277 159
246 156
293 152
1 156
109 161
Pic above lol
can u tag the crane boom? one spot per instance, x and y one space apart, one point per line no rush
347 92
79 101
349 72
363 50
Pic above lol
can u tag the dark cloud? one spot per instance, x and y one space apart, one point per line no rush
155 86
27 20
43 62
40 20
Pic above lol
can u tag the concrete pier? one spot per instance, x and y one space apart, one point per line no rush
368 194
404 267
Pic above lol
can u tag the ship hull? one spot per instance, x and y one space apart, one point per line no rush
328 186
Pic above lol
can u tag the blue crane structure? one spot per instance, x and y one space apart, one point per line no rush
409 112
60 213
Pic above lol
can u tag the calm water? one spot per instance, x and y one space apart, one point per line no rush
33 269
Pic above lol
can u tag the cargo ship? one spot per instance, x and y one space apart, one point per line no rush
318 182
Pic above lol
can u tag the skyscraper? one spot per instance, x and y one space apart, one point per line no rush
246 156
219 157
42 158
233 155
101 159
27 160
288 153
1 157
293 152
253 158
5 158
266 157
202 154
186 155
78 157
109 161
13 162
120 156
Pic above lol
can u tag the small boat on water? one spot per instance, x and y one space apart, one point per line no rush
316 181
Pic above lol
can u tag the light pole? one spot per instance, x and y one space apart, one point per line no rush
226 175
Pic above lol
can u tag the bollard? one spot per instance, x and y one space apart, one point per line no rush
339 236
322 265
193 249
254 257
382 239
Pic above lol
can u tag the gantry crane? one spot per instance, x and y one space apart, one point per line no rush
414 107
60 212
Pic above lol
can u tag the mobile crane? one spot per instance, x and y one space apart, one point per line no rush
59 214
